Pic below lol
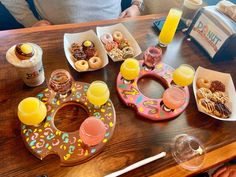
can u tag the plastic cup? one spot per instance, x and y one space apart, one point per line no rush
31 70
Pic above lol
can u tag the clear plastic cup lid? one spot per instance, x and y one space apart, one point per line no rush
188 152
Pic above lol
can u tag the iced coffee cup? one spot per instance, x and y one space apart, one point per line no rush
189 8
27 59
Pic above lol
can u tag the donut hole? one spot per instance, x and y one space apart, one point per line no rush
70 116
151 86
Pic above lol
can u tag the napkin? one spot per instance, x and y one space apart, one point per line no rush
228 8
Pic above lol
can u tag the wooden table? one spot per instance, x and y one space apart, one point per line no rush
135 138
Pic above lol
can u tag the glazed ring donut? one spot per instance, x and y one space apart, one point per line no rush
106 38
128 52
204 93
205 83
82 65
95 62
117 36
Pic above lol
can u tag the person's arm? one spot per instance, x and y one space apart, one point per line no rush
134 10
20 10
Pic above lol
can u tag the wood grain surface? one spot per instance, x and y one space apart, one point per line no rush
135 138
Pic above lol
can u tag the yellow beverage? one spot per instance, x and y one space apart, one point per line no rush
183 75
169 27
98 93
31 111
130 69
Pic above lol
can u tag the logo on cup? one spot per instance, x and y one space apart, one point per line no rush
34 74
207 34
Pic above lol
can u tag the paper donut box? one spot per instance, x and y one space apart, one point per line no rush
226 79
70 38
120 27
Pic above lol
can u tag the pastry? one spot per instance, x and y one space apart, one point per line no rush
75 47
117 36
220 97
87 44
82 65
116 54
24 51
217 86
204 93
128 52
207 105
106 38
110 45
79 55
95 62
221 110
90 52
205 83
123 43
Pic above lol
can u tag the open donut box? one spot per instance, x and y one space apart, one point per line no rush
226 79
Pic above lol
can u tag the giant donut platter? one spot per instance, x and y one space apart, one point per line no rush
147 107
47 139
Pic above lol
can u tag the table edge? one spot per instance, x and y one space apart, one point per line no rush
212 159
78 25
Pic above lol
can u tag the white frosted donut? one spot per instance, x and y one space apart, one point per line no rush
106 38
82 65
95 62
117 36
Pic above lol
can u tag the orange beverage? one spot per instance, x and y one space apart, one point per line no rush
169 27
92 131
31 111
130 69
183 75
173 98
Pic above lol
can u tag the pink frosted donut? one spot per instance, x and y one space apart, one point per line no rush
106 38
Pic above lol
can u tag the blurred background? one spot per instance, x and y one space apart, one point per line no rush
7 21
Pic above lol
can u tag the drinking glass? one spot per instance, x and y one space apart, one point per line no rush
31 111
188 152
92 131
60 82
129 70
183 75
169 27
98 93
152 56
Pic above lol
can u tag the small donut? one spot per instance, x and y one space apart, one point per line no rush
123 43
82 65
110 45
106 38
87 44
95 62
206 105
79 55
90 52
116 54
205 83
128 52
222 111
117 36
220 97
204 93
24 51
217 86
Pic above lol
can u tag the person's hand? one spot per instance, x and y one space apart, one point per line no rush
132 11
42 23
226 171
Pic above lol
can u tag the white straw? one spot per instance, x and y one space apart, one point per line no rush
137 164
